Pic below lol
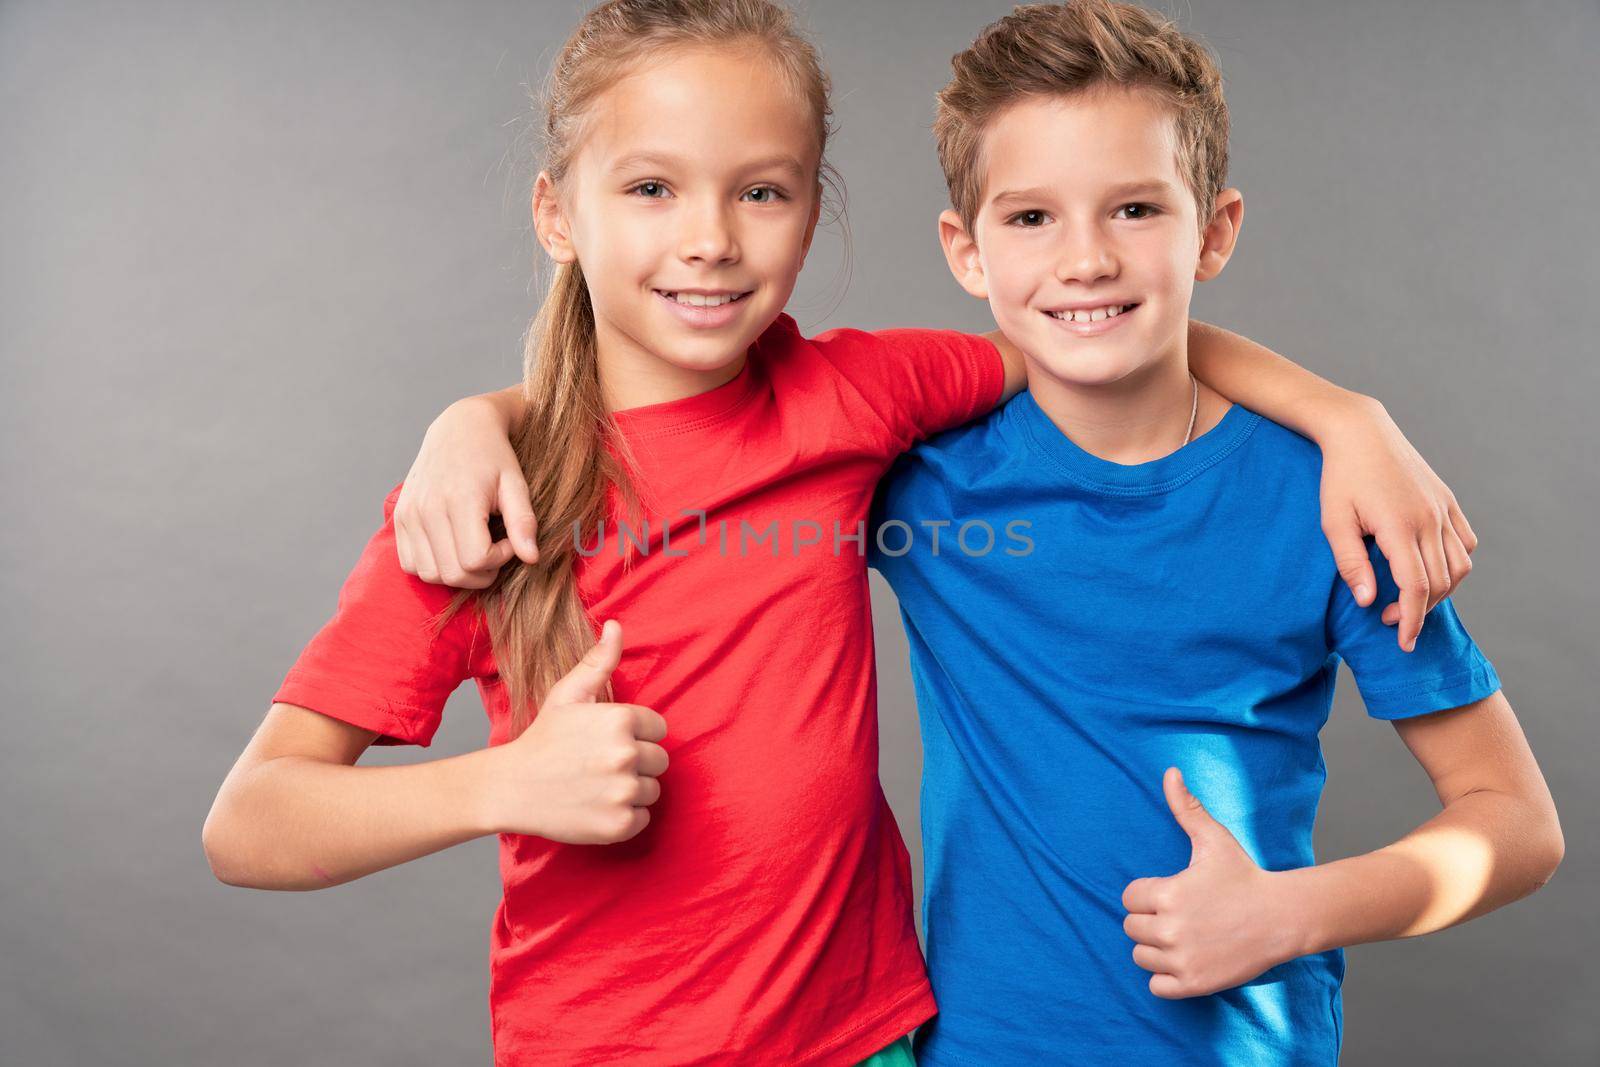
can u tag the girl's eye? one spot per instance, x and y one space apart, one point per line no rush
652 190
764 194
1028 219
1135 211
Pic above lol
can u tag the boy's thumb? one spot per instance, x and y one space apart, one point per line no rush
586 681
516 511
1192 816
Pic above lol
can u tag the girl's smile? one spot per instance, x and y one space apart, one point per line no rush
705 309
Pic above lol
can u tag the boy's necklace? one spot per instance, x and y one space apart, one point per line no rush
1194 409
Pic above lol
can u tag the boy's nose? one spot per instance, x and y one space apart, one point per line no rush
1086 258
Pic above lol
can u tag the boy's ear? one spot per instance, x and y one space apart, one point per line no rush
550 222
1221 234
961 252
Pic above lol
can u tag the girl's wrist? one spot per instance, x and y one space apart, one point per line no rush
479 789
1346 413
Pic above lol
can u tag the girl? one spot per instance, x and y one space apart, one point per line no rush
757 907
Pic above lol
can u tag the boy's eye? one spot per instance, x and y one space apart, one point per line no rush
1135 211
654 190
1028 219
765 194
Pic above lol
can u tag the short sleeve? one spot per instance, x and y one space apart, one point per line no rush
1446 669
378 663
917 382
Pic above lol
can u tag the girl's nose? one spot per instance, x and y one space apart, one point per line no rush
708 236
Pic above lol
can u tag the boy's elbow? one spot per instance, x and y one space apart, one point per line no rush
1552 850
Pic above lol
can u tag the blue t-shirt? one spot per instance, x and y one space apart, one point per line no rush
1184 612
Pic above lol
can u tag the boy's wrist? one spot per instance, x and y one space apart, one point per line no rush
499 407
1300 922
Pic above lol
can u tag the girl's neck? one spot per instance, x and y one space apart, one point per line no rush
633 377
1135 420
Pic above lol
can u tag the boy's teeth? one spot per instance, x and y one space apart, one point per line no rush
1110 311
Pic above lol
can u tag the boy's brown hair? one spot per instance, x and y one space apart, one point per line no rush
1073 47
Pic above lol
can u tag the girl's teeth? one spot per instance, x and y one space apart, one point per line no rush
701 301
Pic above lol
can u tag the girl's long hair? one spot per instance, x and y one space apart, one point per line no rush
568 445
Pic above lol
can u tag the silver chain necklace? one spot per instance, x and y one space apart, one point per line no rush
1194 409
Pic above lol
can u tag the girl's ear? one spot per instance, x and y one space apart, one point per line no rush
550 222
1221 234
961 252
811 223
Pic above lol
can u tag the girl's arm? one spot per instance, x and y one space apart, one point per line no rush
1223 921
1373 481
295 813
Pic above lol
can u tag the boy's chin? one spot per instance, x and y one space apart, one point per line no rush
1081 366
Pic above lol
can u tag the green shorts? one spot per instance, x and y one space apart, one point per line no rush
895 1055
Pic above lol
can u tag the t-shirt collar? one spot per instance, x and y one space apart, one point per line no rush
1137 479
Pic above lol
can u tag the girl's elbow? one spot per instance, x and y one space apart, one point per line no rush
219 845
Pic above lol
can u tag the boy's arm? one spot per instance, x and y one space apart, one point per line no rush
1223 920
465 471
1373 481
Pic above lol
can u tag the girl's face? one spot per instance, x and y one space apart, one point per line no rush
690 205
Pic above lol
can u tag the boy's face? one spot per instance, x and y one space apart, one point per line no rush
1087 243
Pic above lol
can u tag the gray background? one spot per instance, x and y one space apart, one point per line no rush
247 251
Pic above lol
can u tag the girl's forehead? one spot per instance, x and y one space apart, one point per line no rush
715 106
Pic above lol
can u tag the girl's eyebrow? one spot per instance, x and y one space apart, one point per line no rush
636 160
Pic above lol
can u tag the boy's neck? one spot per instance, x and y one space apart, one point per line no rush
1137 419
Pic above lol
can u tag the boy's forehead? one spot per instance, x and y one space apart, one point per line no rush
1086 141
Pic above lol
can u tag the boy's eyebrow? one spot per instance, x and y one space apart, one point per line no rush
1034 194
1147 187
653 159
1143 187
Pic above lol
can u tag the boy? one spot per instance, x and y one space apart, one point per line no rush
1177 608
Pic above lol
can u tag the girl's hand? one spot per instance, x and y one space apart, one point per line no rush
1374 482
465 471
1216 924
584 772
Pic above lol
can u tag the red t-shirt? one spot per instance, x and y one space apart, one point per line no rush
765 914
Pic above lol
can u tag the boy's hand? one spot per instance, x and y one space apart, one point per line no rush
584 771
465 471
1214 925
1374 482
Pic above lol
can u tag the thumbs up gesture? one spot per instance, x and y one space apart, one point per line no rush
585 770
1214 925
